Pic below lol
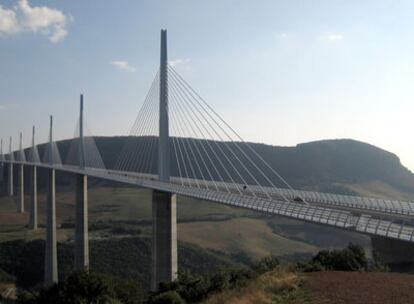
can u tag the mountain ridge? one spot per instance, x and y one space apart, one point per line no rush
324 165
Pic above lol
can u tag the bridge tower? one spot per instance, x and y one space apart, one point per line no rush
10 179
1 161
21 174
33 186
164 221
51 271
81 226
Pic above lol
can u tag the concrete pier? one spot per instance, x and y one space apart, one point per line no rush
51 270
164 237
33 158
10 177
33 198
10 180
81 227
21 188
2 159
393 252
2 173
164 205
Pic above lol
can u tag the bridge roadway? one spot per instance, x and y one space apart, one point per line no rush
347 212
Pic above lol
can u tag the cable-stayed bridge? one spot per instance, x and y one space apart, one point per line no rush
179 144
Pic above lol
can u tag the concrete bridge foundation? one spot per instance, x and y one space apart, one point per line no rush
51 270
33 199
391 251
164 246
2 173
81 226
10 184
21 188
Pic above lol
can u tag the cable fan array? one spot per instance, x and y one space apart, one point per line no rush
93 158
205 152
51 154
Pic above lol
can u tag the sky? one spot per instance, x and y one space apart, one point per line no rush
279 72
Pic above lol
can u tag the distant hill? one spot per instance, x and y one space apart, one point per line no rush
327 165
337 161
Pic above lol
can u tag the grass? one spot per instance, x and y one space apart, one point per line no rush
206 224
281 286
9 288
209 225
252 236
381 190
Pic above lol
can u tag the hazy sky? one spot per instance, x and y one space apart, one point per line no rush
280 72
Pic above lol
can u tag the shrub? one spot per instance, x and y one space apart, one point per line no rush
266 264
310 267
5 277
168 297
80 287
352 258
193 288
376 265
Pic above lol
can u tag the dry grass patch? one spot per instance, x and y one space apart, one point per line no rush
280 287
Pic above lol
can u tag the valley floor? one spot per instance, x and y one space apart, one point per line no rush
330 287
360 287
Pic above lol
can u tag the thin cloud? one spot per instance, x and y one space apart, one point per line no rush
123 65
6 106
283 35
332 37
182 62
42 20
8 21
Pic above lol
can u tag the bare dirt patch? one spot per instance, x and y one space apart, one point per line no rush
360 288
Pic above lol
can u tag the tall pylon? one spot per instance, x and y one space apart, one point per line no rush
81 226
164 206
51 270
21 174
164 147
2 159
33 185
10 177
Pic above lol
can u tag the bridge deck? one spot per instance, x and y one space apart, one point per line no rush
355 219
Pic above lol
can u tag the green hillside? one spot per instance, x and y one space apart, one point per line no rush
328 165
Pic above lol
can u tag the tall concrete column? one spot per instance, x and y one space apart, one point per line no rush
81 233
33 185
51 270
81 227
393 252
164 255
10 184
164 218
163 144
21 159
21 188
2 172
33 199
1 162
10 177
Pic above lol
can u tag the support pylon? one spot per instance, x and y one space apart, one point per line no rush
81 226
51 270
33 187
21 175
10 177
2 159
164 220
